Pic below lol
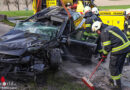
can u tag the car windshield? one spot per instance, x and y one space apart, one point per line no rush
38 28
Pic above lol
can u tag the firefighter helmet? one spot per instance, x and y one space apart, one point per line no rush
68 4
95 10
128 11
87 9
96 26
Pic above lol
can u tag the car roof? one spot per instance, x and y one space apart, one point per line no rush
56 11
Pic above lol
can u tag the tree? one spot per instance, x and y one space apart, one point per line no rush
17 4
7 2
27 2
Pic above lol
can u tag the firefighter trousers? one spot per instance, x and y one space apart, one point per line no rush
116 65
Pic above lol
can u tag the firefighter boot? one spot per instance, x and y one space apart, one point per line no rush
116 84
127 60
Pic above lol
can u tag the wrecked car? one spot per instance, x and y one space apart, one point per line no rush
40 42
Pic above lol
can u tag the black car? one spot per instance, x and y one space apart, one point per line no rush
41 41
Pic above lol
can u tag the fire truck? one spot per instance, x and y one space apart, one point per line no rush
110 17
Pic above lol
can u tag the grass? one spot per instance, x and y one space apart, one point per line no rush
17 13
115 7
30 12
8 23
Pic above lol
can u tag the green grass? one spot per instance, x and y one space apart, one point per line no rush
17 13
8 23
115 7
30 12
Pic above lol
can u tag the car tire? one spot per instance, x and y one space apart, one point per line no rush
55 58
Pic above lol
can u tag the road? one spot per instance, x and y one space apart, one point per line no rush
102 75
4 28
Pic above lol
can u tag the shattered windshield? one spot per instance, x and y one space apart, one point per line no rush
38 28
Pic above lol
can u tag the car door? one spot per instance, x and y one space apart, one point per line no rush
80 47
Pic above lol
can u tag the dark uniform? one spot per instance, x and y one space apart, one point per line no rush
127 32
90 19
116 42
127 28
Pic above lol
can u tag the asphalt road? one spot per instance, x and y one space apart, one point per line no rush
4 28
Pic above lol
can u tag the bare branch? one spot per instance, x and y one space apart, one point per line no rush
27 2
7 2
17 4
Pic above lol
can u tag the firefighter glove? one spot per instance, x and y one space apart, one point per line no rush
103 56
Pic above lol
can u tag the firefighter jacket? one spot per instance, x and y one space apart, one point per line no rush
114 40
90 19
127 28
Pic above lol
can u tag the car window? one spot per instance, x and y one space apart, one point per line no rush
38 28
82 36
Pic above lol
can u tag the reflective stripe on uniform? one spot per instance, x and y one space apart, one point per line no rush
115 34
121 47
126 22
86 34
128 55
128 32
116 77
100 51
105 52
106 43
128 37
128 26
88 25
89 34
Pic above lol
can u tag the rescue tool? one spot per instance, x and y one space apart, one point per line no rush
87 81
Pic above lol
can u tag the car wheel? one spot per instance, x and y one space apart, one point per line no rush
55 58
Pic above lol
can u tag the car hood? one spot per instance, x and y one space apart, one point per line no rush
16 42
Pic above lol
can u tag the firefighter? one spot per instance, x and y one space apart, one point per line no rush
90 19
99 48
95 11
68 5
127 32
116 42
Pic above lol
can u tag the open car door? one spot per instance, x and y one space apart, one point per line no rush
80 47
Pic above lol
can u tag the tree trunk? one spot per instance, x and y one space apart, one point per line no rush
18 8
8 7
26 5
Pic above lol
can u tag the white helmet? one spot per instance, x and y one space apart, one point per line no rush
87 9
96 26
95 10
128 11
68 4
